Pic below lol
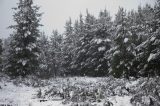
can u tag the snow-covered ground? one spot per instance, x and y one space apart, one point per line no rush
22 95
26 96
16 93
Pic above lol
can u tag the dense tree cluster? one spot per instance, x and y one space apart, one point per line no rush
127 46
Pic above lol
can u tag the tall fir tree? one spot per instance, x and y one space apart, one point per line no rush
79 32
122 56
55 54
100 44
150 50
43 58
1 58
68 47
5 53
141 30
23 59
135 40
84 56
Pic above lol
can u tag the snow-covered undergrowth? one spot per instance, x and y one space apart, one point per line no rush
80 91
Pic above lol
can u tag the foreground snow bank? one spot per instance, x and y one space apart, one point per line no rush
79 91
120 101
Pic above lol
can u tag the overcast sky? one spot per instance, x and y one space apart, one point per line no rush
56 12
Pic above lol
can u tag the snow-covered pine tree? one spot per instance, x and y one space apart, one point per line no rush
84 55
68 47
122 56
1 50
134 27
5 53
55 53
140 27
154 56
135 40
150 49
78 31
142 18
23 58
100 44
43 58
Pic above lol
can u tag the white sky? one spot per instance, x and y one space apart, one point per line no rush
56 12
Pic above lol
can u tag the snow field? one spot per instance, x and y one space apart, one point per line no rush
81 90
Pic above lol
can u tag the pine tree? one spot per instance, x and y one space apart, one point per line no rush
55 54
143 19
133 27
1 50
122 56
100 44
135 40
140 27
85 50
84 56
68 47
5 53
149 50
154 57
43 57
79 33
24 51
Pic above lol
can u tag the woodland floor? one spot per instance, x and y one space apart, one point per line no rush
76 91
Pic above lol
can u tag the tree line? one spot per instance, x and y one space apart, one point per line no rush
126 46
